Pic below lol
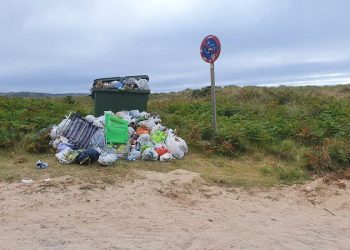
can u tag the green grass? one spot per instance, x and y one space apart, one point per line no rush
286 175
265 137
223 171
292 124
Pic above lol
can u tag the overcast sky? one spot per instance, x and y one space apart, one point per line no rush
62 46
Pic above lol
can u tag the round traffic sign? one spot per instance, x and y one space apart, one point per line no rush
210 49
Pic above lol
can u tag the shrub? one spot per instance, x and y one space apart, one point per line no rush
22 116
228 143
285 150
207 133
203 92
38 142
69 100
333 155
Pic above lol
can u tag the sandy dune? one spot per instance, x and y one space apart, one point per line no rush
176 210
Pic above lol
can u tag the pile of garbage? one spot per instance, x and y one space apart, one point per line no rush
124 84
129 135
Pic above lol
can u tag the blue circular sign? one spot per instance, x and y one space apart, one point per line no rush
210 49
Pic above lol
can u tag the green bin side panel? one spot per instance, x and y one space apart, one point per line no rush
114 100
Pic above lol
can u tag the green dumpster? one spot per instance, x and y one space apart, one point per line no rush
109 99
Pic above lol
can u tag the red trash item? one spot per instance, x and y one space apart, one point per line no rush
161 150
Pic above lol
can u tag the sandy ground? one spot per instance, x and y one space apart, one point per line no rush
175 210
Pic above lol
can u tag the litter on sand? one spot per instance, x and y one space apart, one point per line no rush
130 135
27 181
41 164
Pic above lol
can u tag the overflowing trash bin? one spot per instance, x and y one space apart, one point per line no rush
129 135
120 93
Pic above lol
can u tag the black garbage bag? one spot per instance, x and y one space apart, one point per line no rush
87 157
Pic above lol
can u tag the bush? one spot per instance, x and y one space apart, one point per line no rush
69 100
333 155
285 150
201 92
207 133
20 117
228 143
38 142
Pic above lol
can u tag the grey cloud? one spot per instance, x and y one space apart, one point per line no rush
61 46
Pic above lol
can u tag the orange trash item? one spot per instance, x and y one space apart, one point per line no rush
141 130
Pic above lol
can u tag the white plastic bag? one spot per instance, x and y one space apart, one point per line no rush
90 118
144 115
53 133
131 131
158 127
149 154
100 121
182 144
107 159
61 156
61 146
143 139
64 139
98 139
134 155
143 84
149 124
55 143
166 157
157 119
124 115
173 147
134 113
62 126
95 121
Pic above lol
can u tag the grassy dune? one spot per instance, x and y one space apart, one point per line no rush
266 136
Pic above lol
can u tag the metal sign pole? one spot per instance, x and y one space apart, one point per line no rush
210 51
213 98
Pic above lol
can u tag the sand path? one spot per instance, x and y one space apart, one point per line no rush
175 210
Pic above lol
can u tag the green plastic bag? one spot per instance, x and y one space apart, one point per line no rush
145 146
158 136
116 130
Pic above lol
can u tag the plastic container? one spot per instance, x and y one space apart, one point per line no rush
109 99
